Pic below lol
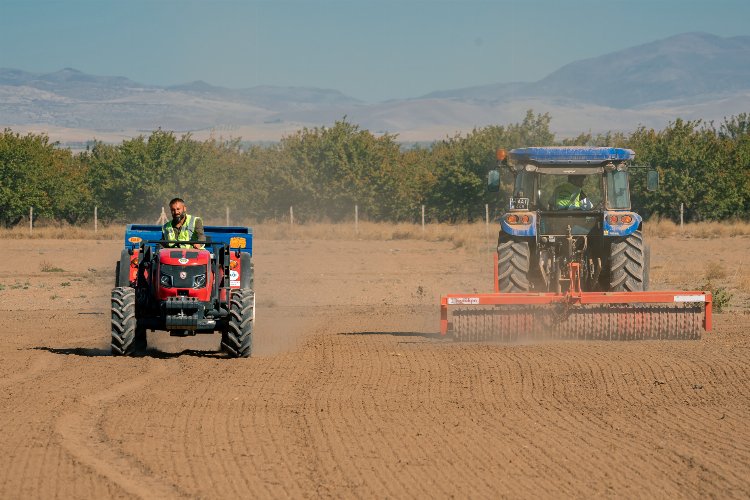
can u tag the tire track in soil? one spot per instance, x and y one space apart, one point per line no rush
589 430
632 431
82 437
335 430
633 417
544 438
37 367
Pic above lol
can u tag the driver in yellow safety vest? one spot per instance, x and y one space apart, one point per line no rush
182 227
570 196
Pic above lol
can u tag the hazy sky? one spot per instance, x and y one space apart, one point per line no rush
371 50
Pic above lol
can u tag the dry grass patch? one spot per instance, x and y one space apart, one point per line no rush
714 271
665 228
459 234
46 267
63 232
743 283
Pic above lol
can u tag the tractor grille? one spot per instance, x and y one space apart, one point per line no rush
190 273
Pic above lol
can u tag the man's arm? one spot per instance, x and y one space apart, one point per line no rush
198 232
585 202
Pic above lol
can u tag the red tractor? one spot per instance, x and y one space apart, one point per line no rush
185 291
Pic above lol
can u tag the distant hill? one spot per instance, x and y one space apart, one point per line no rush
679 67
692 75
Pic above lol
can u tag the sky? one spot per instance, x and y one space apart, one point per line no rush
371 50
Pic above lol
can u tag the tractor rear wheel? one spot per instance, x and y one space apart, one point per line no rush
513 264
237 341
124 323
627 264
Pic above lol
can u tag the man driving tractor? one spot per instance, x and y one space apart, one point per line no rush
183 227
570 196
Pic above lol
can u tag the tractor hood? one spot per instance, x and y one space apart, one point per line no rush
184 256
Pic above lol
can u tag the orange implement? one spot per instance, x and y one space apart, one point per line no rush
576 314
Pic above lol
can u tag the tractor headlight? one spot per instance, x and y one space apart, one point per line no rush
166 280
199 281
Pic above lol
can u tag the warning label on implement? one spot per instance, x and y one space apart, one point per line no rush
463 300
689 298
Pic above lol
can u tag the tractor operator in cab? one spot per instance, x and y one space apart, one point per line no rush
183 227
570 196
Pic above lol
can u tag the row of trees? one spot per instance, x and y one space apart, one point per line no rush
324 171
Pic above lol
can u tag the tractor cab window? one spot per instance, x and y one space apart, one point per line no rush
618 195
570 192
523 189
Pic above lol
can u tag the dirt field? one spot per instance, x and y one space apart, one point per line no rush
352 394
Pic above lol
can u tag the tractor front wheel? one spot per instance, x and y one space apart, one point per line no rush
513 264
237 341
126 336
627 263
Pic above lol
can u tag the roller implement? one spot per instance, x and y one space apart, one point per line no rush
571 260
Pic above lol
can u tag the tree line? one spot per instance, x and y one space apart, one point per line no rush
324 171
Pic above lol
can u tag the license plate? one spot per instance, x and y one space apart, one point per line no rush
519 203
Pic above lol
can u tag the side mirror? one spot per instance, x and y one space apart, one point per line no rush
493 181
652 180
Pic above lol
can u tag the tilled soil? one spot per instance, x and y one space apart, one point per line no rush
351 391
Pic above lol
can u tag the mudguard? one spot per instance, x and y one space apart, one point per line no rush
237 237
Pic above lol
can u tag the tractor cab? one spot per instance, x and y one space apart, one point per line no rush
566 205
557 190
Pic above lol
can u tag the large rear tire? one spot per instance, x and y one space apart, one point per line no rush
627 259
124 323
513 265
237 341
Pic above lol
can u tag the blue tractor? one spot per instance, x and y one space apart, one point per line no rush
571 262
570 205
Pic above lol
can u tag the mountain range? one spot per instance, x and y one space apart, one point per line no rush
690 76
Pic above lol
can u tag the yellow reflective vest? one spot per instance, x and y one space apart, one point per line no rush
185 233
567 196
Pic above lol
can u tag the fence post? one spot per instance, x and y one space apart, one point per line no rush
96 218
291 217
682 229
356 219
162 218
423 218
487 225
31 220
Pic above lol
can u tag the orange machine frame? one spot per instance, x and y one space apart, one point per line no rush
573 297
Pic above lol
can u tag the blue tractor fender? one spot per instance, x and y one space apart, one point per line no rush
519 223
621 223
237 237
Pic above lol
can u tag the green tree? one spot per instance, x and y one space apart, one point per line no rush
35 173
